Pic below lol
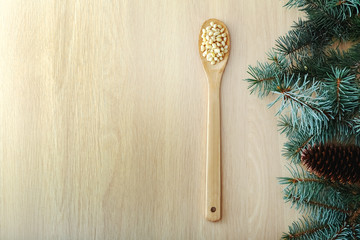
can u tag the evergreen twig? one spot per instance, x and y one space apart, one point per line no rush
317 84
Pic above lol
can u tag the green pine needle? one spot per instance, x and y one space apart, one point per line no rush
314 70
307 228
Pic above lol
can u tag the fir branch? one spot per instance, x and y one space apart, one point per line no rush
317 184
356 124
354 35
291 127
357 231
346 232
304 144
295 45
340 2
304 4
279 61
292 149
296 94
340 131
325 109
326 202
342 233
336 58
354 216
306 232
329 19
289 96
353 233
308 228
263 76
313 180
344 8
336 131
343 93
286 125
295 3
321 9
317 204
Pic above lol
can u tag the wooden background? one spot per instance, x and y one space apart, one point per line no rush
103 121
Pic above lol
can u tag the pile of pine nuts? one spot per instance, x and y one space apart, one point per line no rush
214 41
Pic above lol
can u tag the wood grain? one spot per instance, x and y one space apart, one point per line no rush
103 121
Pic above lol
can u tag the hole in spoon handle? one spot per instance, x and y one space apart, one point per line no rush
213 166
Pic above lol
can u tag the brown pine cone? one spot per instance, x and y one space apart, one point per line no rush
333 161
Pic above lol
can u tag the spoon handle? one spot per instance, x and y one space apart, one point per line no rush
213 166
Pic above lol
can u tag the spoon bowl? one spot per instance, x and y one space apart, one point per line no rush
218 67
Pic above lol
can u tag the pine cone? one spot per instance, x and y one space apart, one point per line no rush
334 162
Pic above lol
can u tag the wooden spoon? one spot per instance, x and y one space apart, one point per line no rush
213 152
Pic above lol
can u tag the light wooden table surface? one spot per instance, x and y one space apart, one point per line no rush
103 121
